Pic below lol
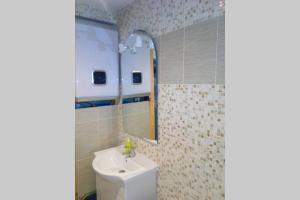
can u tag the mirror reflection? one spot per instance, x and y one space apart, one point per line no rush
139 85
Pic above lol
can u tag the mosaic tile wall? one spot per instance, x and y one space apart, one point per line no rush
191 43
190 150
158 17
89 10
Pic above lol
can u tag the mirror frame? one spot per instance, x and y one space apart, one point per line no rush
156 78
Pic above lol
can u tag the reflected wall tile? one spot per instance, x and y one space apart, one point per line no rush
107 112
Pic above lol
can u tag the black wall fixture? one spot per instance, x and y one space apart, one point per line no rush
99 77
137 77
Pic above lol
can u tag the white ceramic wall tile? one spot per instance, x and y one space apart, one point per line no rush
107 112
86 179
96 129
108 129
220 76
200 52
171 57
86 139
86 115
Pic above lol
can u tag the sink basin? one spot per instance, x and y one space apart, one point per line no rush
121 178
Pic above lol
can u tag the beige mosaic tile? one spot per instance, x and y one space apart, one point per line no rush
196 11
159 17
190 150
141 14
172 17
85 9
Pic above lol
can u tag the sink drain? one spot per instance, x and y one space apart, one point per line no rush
122 171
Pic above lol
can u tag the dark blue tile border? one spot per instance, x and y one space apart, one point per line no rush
98 103
135 99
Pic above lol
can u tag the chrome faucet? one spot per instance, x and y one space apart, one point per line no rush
129 148
131 153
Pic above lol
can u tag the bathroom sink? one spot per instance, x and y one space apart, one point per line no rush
121 178
112 165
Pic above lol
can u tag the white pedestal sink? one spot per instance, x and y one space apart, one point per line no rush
120 178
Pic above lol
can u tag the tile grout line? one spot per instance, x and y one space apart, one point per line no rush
183 53
96 120
159 47
217 40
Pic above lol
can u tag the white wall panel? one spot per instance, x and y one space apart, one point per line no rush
96 49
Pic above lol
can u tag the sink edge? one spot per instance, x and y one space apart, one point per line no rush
123 177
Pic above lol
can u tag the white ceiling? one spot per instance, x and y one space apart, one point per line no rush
112 6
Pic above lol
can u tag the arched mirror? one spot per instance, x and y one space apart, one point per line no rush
139 73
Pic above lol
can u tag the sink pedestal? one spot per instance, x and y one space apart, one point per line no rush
109 190
118 178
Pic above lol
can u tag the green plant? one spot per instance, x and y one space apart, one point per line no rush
129 144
